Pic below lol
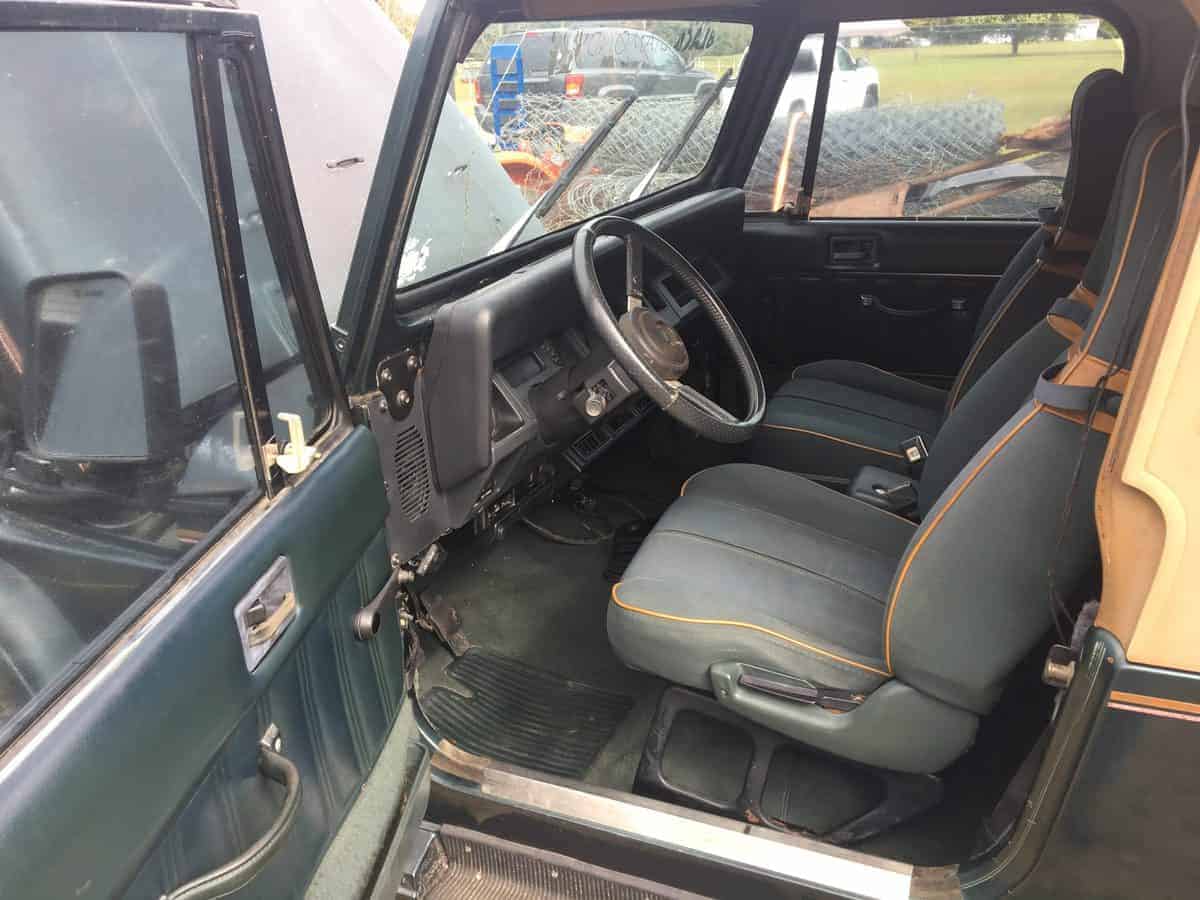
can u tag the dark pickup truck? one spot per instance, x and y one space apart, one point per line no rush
591 62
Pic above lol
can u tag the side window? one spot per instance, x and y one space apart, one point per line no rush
954 117
631 53
500 168
123 440
599 49
843 61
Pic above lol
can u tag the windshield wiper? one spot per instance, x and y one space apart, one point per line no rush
565 177
668 158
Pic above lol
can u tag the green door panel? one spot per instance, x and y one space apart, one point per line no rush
145 776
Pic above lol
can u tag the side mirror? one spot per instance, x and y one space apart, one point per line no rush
862 63
102 379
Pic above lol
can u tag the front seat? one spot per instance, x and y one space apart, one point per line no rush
779 594
834 416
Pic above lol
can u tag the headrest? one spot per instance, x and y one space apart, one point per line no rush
1134 244
1102 118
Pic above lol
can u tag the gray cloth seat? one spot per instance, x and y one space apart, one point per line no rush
757 572
835 416
810 566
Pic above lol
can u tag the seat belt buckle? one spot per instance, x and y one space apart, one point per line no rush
914 450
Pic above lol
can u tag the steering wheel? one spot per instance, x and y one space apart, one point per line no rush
648 347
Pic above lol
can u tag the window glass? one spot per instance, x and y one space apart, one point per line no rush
516 124
123 439
925 125
290 387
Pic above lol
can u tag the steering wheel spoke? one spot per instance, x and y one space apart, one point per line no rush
635 291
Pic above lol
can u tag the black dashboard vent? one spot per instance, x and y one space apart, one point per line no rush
412 473
587 447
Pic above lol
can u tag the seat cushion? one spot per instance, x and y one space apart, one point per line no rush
764 567
835 416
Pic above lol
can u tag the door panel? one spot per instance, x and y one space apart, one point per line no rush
902 295
145 776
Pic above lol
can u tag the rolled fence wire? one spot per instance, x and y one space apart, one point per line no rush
861 151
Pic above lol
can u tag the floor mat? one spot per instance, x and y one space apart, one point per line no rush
525 716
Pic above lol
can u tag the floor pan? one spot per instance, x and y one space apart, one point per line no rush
517 714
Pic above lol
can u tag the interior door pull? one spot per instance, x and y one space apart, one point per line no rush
237 873
870 300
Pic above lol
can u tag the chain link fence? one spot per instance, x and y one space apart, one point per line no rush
861 151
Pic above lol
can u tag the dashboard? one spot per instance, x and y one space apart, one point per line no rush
514 382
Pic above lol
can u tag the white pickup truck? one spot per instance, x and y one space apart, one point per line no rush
855 82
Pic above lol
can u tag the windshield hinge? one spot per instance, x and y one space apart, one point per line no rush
296 456
800 208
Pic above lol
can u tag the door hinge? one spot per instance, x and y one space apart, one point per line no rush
296 456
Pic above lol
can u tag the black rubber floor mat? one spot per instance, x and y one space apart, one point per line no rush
521 715
466 865
625 543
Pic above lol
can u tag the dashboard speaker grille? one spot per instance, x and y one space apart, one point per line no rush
412 473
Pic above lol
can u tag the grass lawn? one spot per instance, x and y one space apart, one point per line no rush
1036 83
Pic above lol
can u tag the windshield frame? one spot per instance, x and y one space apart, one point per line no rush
412 296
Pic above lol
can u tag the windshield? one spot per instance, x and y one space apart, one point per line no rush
549 126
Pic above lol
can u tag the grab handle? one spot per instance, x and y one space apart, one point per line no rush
238 872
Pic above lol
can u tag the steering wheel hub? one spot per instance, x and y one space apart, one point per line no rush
656 342
648 347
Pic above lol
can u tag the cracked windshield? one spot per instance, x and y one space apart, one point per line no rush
550 123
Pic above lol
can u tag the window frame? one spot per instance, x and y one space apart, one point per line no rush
801 209
252 128
205 40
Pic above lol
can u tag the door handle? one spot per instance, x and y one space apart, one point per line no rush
870 300
265 612
238 872
261 627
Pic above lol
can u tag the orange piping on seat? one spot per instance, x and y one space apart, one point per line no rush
895 598
733 624
830 437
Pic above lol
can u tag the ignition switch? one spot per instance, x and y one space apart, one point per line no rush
597 400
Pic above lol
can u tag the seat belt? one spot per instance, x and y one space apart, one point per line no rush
1075 398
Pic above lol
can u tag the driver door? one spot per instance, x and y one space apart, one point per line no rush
191 525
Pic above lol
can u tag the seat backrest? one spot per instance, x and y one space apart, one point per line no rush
1005 386
1014 532
1051 262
